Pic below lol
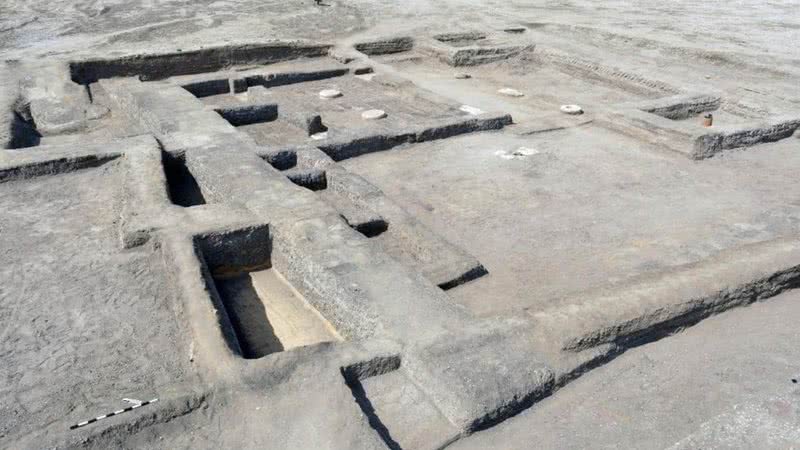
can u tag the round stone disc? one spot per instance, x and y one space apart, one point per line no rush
511 92
330 93
573 110
373 114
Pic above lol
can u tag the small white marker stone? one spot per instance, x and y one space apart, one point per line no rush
319 136
521 152
470 110
511 92
462 76
572 110
525 151
503 154
330 93
373 114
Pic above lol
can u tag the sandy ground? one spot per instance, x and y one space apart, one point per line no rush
752 27
586 209
81 318
737 385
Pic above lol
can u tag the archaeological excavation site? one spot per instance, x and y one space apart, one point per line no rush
334 224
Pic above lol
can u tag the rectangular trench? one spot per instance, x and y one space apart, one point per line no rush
266 314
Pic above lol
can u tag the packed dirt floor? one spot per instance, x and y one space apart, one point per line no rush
399 225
